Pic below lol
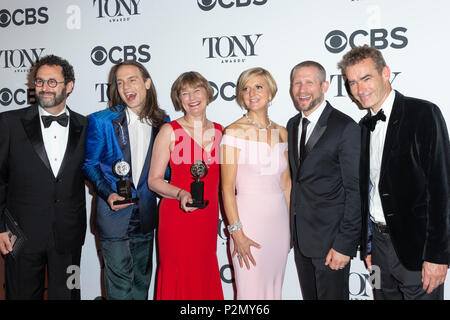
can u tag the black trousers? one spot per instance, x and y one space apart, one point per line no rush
25 275
397 282
318 281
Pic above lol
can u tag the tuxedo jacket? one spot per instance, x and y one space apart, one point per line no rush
42 204
325 199
108 141
414 182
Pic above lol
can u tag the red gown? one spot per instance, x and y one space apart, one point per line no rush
188 266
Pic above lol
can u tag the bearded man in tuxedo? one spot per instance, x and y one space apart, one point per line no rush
42 186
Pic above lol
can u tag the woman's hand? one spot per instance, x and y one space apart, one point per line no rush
184 198
242 249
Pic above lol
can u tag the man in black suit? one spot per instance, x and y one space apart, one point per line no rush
404 175
42 186
324 153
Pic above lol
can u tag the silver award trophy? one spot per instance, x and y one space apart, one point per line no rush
121 169
199 170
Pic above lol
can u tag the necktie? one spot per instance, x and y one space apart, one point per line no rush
371 122
62 119
305 123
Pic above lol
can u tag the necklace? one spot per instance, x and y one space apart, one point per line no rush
259 127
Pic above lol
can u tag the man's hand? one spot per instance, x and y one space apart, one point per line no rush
336 260
433 275
368 261
5 244
114 197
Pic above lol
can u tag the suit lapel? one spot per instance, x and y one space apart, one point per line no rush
121 131
319 129
294 141
74 137
365 157
32 126
392 130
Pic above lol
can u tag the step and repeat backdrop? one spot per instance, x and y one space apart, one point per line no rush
220 39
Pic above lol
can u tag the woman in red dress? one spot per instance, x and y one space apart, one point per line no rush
187 236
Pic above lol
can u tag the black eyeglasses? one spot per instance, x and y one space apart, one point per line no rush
52 83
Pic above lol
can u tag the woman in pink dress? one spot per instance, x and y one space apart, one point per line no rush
256 190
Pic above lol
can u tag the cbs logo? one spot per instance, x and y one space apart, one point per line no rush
117 54
19 96
227 90
336 41
207 5
26 16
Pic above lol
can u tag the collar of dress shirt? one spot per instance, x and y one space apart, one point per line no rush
131 117
43 112
387 105
315 115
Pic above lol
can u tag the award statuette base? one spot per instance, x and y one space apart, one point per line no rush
124 190
200 205
132 200
197 188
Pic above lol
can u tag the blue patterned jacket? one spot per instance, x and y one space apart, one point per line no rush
107 140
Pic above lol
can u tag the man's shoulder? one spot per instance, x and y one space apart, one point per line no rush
340 116
416 108
413 102
16 113
293 119
81 118
105 115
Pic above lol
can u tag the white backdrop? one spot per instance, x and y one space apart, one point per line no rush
220 39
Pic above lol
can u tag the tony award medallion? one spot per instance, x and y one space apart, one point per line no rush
199 170
121 168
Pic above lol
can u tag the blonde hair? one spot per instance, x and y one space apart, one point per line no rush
247 75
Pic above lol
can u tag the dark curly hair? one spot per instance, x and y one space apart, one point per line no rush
52 60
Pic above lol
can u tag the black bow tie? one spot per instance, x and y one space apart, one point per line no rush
62 119
371 122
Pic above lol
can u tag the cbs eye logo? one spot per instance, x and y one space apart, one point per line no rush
99 55
6 97
226 90
336 41
117 54
19 97
207 5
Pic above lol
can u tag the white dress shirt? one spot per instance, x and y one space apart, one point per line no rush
55 139
377 138
313 119
139 133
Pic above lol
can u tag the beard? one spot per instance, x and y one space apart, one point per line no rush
50 103
314 103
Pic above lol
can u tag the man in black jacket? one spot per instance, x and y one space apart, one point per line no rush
404 182
42 186
324 155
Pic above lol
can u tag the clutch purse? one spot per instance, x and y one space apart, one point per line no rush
15 233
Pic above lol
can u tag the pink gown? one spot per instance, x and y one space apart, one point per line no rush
264 215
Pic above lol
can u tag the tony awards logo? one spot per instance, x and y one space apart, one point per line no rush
199 170
121 169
